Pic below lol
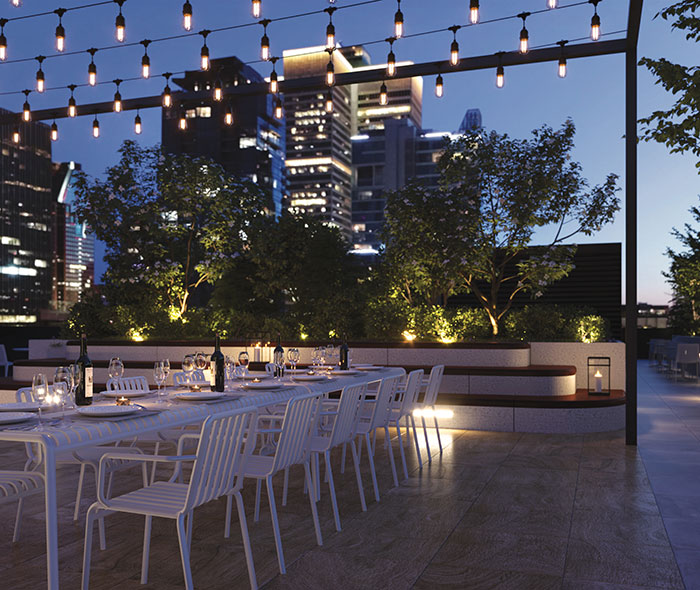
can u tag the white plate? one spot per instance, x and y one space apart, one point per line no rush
14 417
252 385
345 372
199 396
127 394
310 378
20 407
107 411
367 367
253 375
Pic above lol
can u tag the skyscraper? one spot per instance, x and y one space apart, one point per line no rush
252 147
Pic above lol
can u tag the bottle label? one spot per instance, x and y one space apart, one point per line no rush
88 382
210 373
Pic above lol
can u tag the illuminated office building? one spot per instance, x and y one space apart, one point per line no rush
26 222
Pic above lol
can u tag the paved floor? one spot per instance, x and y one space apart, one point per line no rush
496 510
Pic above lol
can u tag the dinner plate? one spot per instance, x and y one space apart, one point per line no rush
199 396
107 411
345 372
128 394
20 407
367 367
254 375
251 385
306 377
14 417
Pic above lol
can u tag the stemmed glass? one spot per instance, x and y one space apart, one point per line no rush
293 357
62 386
188 367
116 368
243 359
166 369
75 382
40 391
159 377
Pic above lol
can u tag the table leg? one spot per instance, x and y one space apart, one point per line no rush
51 518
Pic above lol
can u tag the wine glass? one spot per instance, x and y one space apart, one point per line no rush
116 368
330 355
166 369
200 361
293 356
228 364
62 384
243 359
159 377
76 378
279 363
188 366
40 392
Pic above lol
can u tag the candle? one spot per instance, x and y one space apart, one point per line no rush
256 380
256 353
123 401
598 382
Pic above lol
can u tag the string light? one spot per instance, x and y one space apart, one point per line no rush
205 63
187 15
257 8
274 83
595 21
145 60
26 111
117 97
562 60
228 117
439 86
551 4
265 41
500 72
167 95
15 134
92 68
182 122
95 128
54 131
3 40
278 108
391 58
383 96
474 11
40 78
120 23
16 3
398 21
218 91
329 102
137 123
524 35
330 29
72 108
330 70
454 47
60 31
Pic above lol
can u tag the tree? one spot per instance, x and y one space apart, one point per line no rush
679 126
171 223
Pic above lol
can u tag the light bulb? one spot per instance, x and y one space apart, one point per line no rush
278 109
204 58
228 117
391 64
595 27
398 24
16 3
474 11
187 16
72 108
3 47
26 112
383 96
40 81
439 86
117 102
92 74
274 84
330 36
182 124
54 131
329 103
257 8
218 91
454 53
120 26
60 38
524 41
145 66
562 67
552 3
500 77
167 97
15 135
95 128
137 124
330 74
265 47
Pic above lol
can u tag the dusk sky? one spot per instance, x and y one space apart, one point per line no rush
592 94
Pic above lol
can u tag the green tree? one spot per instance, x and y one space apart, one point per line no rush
679 126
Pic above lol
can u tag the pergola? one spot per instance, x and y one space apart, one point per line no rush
626 46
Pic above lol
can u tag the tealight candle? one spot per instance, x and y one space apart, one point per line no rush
123 401
256 380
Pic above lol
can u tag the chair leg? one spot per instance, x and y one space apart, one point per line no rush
275 522
184 552
331 488
403 453
101 520
437 430
373 448
427 444
408 433
79 492
317 479
227 523
390 450
18 520
285 486
358 475
189 521
258 485
314 511
87 548
153 469
146 549
371 468
415 440
246 540
342 458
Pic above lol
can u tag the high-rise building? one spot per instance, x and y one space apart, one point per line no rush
471 121
74 248
26 222
252 147
318 156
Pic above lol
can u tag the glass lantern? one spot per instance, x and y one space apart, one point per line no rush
598 375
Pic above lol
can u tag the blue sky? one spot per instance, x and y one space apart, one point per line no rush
592 94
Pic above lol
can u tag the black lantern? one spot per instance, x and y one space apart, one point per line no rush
598 375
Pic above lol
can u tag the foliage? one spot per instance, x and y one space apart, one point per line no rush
89 316
679 126
552 323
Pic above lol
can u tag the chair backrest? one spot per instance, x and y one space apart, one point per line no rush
128 384
217 469
24 394
434 382
270 369
384 400
3 355
410 396
197 376
345 424
687 353
299 424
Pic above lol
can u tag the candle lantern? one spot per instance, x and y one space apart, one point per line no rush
598 375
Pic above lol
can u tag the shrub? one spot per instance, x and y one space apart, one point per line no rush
554 323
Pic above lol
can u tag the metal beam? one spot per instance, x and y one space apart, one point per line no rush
483 62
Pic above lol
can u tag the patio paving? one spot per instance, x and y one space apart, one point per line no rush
496 510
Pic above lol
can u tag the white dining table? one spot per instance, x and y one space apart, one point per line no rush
81 432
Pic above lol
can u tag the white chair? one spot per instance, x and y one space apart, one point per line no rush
17 485
270 369
293 448
128 384
686 354
5 363
429 400
195 378
217 471
403 407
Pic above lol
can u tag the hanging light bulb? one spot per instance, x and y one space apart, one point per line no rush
117 98
167 95
40 78
145 60
26 111
454 47
3 40
257 8
330 29
15 134
391 59
137 123
552 4
187 15
474 11
329 102
274 81
205 63
54 131
120 23
182 122
439 86
16 3
92 68
228 117
95 128
383 96
524 35
278 108
595 21
398 21
72 107
562 60
265 42
500 73
218 91
330 70
60 31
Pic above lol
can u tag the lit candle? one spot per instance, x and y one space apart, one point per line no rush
123 401
256 380
256 353
598 382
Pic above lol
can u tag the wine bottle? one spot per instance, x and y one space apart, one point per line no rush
344 355
217 366
278 357
83 393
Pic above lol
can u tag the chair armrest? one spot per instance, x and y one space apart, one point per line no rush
185 437
267 430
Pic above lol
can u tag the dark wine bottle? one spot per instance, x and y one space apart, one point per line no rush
217 366
83 393
344 355
278 357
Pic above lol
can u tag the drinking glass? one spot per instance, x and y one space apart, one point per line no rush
188 367
40 392
166 369
330 355
293 356
243 359
77 377
116 368
200 361
159 377
62 384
